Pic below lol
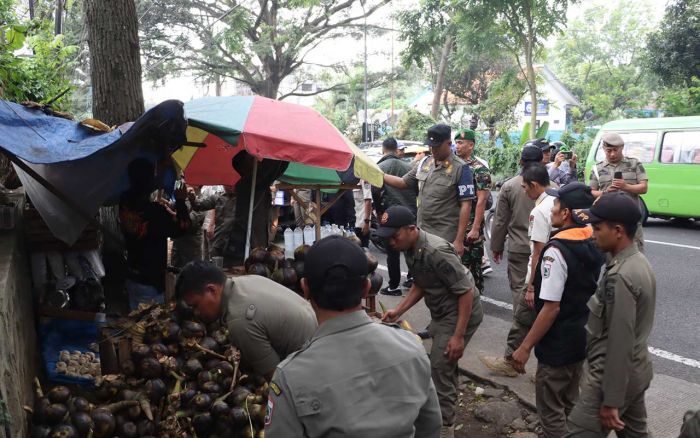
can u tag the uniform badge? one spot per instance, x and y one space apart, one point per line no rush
610 292
546 269
269 411
275 388
448 167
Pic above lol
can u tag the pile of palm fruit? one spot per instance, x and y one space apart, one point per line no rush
181 379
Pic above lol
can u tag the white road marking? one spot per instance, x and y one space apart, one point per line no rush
678 245
674 357
655 351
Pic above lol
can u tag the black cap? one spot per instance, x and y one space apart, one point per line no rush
614 207
437 134
541 143
531 153
574 195
331 252
394 218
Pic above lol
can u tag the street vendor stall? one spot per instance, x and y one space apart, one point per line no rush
268 129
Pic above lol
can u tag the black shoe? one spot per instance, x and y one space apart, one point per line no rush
396 292
424 334
408 283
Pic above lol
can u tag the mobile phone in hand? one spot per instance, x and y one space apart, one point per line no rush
618 175
568 155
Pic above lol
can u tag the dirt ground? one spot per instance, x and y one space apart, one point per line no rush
469 426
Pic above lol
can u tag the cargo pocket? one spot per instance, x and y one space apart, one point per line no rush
594 326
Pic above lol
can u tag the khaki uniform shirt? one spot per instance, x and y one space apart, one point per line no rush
512 218
441 188
355 378
438 271
266 321
620 320
632 172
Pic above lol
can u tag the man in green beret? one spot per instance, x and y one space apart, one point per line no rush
474 237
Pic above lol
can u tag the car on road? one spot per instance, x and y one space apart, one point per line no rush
669 149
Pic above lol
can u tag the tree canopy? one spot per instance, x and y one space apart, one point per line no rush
674 49
256 42
600 59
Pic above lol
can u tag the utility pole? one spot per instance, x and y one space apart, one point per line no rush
391 117
365 130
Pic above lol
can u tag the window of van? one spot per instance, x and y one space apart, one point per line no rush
639 145
681 147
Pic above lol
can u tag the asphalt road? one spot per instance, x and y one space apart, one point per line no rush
674 252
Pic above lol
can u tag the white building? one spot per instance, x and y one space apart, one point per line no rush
554 102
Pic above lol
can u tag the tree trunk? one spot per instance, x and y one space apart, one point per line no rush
440 79
219 84
31 9
115 63
58 21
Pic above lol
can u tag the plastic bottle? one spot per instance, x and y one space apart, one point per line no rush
298 237
334 230
289 243
308 235
342 231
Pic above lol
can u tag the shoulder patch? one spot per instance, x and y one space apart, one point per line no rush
275 388
548 258
269 411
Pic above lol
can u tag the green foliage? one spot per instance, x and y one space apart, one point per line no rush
504 161
599 58
497 109
681 101
41 75
424 29
674 49
412 125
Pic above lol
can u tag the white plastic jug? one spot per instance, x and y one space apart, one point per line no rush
289 243
309 235
298 237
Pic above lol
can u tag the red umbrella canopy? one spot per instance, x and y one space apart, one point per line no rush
273 129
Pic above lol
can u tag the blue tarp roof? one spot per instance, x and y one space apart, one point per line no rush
85 166
43 139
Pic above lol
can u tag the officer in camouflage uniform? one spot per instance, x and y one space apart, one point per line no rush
474 238
634 181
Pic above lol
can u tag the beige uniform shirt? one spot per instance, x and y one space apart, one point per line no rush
438 271
266 321
512 218
620 320
354 379
632 172
441 189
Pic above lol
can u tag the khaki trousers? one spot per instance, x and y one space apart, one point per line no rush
584 420
523 319
556 392
517 271
445 372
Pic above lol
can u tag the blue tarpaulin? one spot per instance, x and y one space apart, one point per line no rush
86 166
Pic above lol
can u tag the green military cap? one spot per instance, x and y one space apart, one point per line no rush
466 134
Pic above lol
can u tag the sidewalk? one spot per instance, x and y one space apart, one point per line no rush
667 399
